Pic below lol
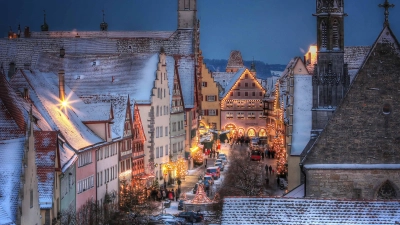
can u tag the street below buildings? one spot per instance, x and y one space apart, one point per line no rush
272 189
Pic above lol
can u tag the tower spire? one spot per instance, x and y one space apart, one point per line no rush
386 5
44 27
103 25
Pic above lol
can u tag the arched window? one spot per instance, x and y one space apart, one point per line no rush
386 191
323 35
335 31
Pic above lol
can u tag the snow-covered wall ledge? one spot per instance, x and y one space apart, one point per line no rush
352 166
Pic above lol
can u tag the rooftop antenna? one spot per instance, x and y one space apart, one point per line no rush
386 5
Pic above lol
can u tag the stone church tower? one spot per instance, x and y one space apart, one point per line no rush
330 78
187 11
356 156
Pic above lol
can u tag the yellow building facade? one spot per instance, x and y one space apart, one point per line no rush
210 103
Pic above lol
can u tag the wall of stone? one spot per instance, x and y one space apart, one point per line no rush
343 184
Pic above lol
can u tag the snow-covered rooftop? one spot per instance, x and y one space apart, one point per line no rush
67 156
264 210
105 74
301 113
186 68
222 78
297 192
26 51
11 154
66 120
170 73
102 34
46 147
232 81
119 105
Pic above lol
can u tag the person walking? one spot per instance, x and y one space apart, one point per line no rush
270 170
164 194
266 169
205 164
176 195
262 155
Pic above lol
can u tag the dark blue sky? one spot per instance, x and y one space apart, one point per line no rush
272 31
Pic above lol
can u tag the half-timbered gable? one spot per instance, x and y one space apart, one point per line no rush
242 105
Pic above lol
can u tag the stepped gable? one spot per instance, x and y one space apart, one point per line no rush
25 51
45 147
9 99
235 60
11 155
264 210
367 121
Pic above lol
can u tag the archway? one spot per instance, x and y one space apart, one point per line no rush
262 133
232 128
251 132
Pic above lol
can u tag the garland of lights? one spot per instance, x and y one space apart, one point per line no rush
181 168
197 156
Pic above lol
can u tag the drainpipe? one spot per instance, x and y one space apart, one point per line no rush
305 178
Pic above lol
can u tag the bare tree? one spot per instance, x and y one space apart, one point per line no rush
93 213
244 177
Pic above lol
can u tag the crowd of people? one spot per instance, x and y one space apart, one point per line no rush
163 194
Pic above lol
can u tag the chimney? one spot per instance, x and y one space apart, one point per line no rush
11 69
27 33
26 93
61 84
62 52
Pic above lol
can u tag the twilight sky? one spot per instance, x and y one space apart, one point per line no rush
273 31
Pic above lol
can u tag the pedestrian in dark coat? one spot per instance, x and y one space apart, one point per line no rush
270 169
266 169
176 195
269 154
262 155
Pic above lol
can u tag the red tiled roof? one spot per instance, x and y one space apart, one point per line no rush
9 98
8 127
235 60
46 147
